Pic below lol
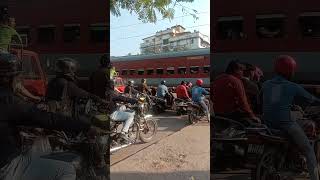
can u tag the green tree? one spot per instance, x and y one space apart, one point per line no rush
147 9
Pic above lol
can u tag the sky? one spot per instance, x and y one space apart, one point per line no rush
127 32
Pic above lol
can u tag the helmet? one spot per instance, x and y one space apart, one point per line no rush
105 60
66 66
163 82
10 65
199 82
285 66
130 83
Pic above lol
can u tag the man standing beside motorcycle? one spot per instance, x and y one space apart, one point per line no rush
18 165
198 97
278 96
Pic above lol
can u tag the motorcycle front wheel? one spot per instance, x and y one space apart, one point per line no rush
148 130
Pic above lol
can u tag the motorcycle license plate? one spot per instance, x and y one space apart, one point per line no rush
255 149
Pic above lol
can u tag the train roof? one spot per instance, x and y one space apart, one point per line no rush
193 52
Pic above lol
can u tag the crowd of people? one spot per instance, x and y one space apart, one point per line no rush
239 94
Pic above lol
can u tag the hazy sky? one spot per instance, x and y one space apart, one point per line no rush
127 32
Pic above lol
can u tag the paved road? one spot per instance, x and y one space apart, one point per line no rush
168 124
181 152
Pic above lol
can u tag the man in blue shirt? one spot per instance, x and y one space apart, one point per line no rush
198 93
278 96
162 90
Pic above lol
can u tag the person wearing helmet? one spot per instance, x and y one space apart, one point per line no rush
62 91
198 97
278 96
16 112
130 90
229 96
162 90
100 78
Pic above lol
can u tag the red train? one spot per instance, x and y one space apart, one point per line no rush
172 67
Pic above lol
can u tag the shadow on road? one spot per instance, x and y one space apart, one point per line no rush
176 175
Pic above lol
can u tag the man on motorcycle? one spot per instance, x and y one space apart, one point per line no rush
163 92
182 91
62 90
198 97
229 98
143 87
278 96
99 79
251 88
120 115
130 90
17 112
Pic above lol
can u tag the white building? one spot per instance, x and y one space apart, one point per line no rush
174 39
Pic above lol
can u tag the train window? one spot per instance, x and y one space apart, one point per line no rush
140 71
182 70
170 70
98 33
159 71
206 69
194 70
310 24
150 71
270 26
132 72
46 34
71 33
124 72
230 28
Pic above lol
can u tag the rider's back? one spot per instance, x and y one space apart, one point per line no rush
161 91
278 96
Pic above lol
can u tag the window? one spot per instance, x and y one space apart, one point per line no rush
140 72
132 72
270 26
24 33
159 71
147 41
206 69
170 70
310 24
150 71
71 33
124 72
230 28
98 33
194 70
30 68
46 34
165 41
182 70
192 41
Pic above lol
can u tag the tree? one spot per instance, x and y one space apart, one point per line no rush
146 9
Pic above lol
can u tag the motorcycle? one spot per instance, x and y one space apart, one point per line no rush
195 112
267 152
181 106
144 127
78 149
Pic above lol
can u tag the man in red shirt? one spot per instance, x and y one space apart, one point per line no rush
229 97
182 92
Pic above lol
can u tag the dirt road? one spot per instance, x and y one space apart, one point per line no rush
183 155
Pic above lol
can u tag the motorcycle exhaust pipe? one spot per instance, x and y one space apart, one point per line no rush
119 147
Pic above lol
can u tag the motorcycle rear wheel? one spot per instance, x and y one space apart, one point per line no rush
149 126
